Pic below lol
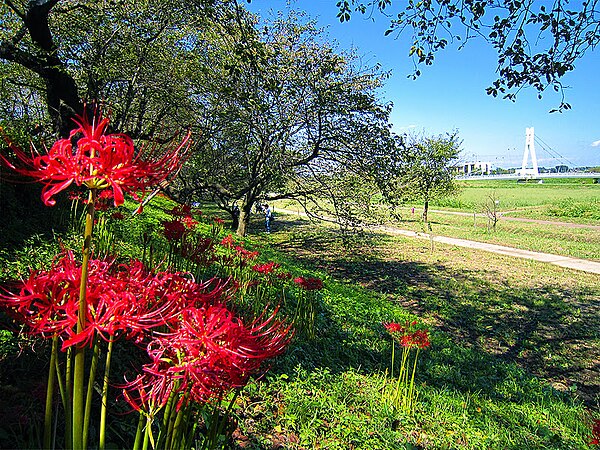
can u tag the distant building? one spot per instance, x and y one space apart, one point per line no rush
474 168
561 169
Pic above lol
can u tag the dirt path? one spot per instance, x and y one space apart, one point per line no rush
562 261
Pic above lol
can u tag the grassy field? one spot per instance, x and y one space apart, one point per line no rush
576 200
560 216
580 242
512 336
512 365
529 205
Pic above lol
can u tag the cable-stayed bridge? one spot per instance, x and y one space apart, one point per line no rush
540 176
527 172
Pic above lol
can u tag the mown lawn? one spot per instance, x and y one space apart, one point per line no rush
512 365
577 242
570 200
510 331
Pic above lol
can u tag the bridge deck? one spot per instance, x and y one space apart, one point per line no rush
514 176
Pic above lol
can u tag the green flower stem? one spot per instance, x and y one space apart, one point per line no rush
79 369
187 443
170 419
90 391
402 377
218 422
174 436
411 388
50 394
167 413
213 428
393 359
147 433
61 384
69 399
102 442
139 431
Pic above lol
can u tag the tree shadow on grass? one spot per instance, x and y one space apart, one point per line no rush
549 329
23 215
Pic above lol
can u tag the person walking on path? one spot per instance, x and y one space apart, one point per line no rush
235 216
268 218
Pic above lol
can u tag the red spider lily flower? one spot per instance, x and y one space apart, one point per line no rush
405 340
309 284
420 339
252 255
137 301
98 160
74 196
393 327
181 211
407 336
202 251
595 433
122 299
284 275
46 302
104 201
218 220
189 222
244 254
205 244
227 241
106 195
208 352
173 230
266 268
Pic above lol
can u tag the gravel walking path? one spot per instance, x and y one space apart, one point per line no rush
558 260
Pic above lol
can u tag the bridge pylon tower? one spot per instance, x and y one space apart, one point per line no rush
529 150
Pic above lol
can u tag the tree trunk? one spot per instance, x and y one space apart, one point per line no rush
62 100
245 212
425 209
243 223
62 96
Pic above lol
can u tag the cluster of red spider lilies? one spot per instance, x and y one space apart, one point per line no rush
197 349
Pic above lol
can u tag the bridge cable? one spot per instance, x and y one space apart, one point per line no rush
551 151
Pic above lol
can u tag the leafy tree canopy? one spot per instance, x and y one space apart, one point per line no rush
422 169
537 41
139 58
291 117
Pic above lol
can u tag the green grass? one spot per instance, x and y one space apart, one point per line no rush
511 366
500 321
576 200
561 240
558 200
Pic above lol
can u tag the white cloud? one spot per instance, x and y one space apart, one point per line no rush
596 144
408 127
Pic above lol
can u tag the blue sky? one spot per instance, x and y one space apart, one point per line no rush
450 95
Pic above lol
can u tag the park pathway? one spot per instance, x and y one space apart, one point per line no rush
501 216
562 261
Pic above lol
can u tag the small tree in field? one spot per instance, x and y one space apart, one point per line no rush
424 170
490 209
